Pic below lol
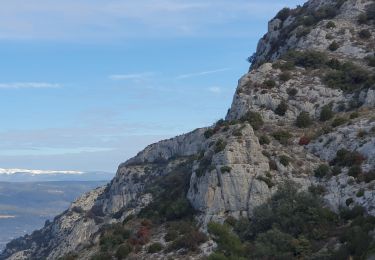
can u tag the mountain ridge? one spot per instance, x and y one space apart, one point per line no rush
302 114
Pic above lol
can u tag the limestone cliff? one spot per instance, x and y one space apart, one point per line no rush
308 99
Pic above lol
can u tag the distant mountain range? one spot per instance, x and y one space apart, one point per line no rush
27 175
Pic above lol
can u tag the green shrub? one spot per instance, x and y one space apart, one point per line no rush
285 76
326 113
360 193
371 60
190 238
283 14
208 133
349 201
362 18
123 251
228 243
169 194
339 121
281 108
369 176
303 120
264 140
282 136
333 46
330 25
102 256
307 59
348 77
220 145
364 34
171 235
301 32
354 115
154 248
274 244
284 160
225 169
254 119
270 83
355 170
347 158
292 92
322 171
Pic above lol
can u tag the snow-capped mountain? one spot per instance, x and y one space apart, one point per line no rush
27 175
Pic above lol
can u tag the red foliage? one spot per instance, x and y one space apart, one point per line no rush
304 140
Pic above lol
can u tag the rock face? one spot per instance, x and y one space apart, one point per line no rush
238 163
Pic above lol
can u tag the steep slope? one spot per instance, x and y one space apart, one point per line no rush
303 113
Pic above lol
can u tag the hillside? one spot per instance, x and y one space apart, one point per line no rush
288 174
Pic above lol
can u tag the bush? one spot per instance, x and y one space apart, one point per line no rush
220 146
304 140
349 201
303 120
254 119
283 14
270 83
208 133
333 46
292 92
102 256
347 158
364 34
123 251
307 59
281 108
369 176
371 60
225 169
154 248
355 170
360 193
339 121
285 76
284 160
348 77
322 171
282 136
169 194
326 113
264 140
330 25
228 243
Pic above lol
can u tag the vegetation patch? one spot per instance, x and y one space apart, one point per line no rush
295 225
282 136
254 119
304 120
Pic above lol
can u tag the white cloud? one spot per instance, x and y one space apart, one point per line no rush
201 73
137 76
215 90
18 85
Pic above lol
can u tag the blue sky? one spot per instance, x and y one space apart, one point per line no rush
86 84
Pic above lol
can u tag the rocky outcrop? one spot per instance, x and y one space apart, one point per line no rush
235 165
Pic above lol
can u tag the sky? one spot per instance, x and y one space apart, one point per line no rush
86 84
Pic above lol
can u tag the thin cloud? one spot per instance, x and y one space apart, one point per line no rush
35 85
131 76
215 90
202 73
